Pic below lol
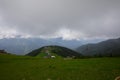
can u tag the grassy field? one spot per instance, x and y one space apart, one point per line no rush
35 68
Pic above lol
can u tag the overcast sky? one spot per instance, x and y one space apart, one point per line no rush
69 19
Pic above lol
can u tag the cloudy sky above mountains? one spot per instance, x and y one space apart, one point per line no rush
69 19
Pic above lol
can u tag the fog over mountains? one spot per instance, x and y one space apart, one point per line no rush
25 45
68 19
29 24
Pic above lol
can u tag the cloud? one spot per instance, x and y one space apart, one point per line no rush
68 34
69 19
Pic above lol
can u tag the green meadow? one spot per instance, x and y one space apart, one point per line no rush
35 68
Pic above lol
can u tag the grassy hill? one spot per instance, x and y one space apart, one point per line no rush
35 68
54 51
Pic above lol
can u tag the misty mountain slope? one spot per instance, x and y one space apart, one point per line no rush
54 50
20 46
109 47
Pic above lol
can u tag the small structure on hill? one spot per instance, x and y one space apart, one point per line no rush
49 55
3 52
53 57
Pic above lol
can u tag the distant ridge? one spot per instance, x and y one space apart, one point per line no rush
109 47
55 50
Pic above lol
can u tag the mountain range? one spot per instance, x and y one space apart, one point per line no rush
109 47
22 46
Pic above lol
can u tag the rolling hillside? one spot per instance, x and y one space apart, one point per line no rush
54 50
109 47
